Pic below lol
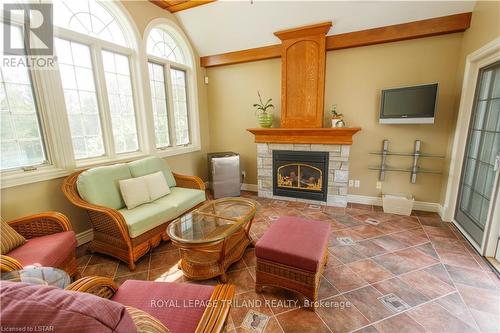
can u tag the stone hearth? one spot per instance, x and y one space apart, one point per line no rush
338 171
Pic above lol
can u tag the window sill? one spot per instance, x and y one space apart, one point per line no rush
172 151
17 178
95 162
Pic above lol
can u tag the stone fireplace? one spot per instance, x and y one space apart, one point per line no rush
334 181
302 160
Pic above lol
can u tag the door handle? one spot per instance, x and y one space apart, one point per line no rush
497 163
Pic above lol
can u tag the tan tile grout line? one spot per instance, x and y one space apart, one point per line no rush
454 286
404 311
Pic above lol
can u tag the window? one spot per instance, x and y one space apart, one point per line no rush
76 70
22 143
121 102
162 45
178 78
89 18
170 71
159 99
95 72
90 109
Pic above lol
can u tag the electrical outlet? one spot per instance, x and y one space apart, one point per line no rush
206 79
356 183
351 183
243 174
379 186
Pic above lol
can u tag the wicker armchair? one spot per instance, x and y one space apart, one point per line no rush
212 320
38 225
111 234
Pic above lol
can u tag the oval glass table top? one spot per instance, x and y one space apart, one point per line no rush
213 221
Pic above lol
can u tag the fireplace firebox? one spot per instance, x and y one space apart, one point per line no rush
300 174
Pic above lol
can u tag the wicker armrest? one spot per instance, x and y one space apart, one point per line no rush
95 285
41 224
189 181
214 317
9 264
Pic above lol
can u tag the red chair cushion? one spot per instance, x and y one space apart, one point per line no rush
295 242
50 250
179 306
32 306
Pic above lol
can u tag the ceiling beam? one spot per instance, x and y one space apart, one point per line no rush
392 33
174 6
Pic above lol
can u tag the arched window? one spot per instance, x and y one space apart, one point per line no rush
161 44
89 18
94 61
171 79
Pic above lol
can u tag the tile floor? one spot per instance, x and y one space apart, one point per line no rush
444 285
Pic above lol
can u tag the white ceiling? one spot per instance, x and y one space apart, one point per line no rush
232 25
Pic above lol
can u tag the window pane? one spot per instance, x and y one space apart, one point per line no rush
121 102
77 79
181 119
159 101
162 44
88 17
21 138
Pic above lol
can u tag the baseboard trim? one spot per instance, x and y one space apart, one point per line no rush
377 201
249 187
84 237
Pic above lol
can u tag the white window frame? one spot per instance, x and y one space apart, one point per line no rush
56 154
96 47
191 90
52 108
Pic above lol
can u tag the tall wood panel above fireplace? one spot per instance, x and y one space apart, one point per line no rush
303 53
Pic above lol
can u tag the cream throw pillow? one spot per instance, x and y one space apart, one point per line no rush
134 192
141 190
9 238
157 185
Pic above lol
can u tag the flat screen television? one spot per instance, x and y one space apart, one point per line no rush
409 105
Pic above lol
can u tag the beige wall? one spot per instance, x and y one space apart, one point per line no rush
43 196
485 26
354 78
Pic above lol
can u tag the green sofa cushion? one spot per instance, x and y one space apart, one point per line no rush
151 165
182 199
147 216
100 185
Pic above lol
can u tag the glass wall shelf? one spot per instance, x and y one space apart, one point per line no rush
405 154
413 170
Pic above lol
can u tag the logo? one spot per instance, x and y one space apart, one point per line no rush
37 28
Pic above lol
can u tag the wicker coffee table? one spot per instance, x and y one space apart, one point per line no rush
213 237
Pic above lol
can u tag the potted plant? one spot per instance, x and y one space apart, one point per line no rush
337 118
264 114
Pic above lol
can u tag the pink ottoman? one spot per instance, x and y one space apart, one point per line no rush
292 254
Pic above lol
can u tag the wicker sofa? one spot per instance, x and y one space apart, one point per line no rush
50 242
129 234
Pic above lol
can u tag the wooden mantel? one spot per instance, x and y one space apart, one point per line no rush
332 136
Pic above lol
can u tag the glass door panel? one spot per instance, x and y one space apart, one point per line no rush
483 147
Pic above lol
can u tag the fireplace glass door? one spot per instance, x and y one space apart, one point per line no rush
300 176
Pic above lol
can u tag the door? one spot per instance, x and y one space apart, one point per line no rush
480 166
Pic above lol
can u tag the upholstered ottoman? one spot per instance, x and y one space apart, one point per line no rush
292 255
